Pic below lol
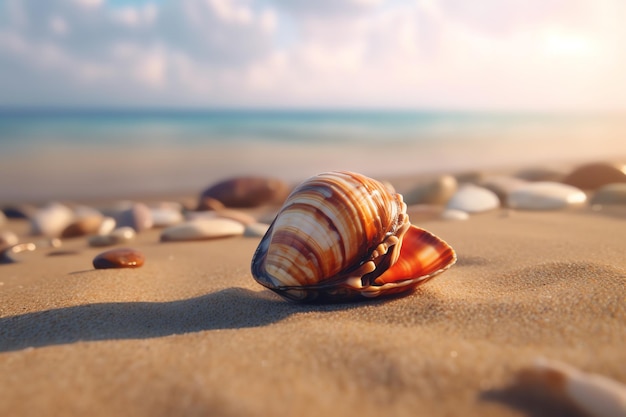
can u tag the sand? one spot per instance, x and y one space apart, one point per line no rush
192 334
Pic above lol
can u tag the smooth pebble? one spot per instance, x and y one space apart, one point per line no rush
540 174
8 238
596 175
51 220
106 226
256 229
473 199
13 253
595 395
202 229
137 215
84 225
438 191
502 186
610 194
119 258
231 214
166 216
116 237
546 196
247 192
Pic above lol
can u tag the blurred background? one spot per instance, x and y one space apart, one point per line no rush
128 96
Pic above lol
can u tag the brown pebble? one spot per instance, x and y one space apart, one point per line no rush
209 204
247 192
596 175
119 258
86 225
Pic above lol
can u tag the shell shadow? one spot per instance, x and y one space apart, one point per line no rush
231 308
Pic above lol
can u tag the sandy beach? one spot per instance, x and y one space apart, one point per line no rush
191 333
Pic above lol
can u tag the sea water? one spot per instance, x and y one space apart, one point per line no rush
89 153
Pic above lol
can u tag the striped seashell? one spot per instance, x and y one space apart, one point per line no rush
340 236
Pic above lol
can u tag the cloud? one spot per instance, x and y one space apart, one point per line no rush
422 53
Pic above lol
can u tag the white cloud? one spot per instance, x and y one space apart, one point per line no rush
426 53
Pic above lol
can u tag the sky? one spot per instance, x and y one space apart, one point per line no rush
564 55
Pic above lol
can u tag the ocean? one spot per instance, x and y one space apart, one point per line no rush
74 154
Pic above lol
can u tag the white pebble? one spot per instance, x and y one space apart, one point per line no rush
546 195
202 229
473 199
51 220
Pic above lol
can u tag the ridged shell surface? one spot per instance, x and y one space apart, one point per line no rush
328 223
338 236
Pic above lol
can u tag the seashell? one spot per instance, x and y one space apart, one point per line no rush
342 236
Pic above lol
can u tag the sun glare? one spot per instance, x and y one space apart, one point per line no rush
567 44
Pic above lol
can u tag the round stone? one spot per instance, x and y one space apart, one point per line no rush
438 191
610 194
202 229
106 226
138 216
546 195
116 237
502 186
247 192
13 253
166 216
8 238
51 220
596 175
540 174
473 199
85 225
256 229
119 258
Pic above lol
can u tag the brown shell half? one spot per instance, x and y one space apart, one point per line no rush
339 236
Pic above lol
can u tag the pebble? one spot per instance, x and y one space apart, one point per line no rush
8 238
452 214
106 226
256 229
502 186
596 175
12 253
473 199
540 174
438 191
209 204
546 196
82 226
247 192
51 220
136 215
22 211
117 236
610 194
595 395
231 214
166 216
119 258
202 229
